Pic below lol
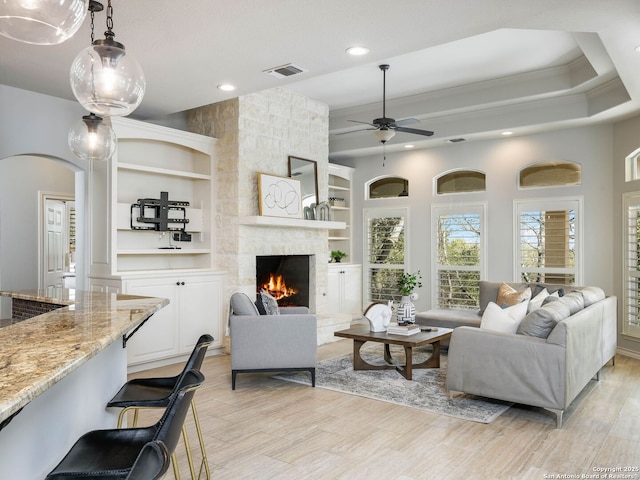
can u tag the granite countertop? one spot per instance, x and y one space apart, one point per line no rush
38 352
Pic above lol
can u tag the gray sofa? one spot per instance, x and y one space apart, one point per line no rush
271 343
543 372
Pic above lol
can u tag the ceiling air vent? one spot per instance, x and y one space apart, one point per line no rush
457 140
284 71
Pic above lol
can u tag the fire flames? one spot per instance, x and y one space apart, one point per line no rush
277 287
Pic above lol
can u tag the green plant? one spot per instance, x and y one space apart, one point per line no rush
337 255
408 282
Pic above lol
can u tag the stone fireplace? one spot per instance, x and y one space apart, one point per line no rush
256 133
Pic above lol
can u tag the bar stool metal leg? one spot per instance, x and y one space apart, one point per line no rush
204 462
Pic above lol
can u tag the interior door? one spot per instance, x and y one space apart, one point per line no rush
54 244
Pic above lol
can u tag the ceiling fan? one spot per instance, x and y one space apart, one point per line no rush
384 127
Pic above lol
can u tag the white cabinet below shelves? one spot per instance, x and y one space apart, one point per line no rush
345 289
196 307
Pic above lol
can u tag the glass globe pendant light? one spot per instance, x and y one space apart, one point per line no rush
104 79
92 139
41 22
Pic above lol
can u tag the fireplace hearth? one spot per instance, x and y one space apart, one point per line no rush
285 277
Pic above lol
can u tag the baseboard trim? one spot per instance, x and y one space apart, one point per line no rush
628 353
180 359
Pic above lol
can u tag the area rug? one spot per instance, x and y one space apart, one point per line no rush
426 391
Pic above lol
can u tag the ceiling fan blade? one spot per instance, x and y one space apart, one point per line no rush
415 131
407 121
354 131
366 123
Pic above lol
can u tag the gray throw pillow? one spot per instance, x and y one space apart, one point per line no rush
541 321
270 303
241 304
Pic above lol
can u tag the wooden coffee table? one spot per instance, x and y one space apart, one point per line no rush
361 334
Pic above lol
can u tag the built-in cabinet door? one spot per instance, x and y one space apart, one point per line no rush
345 289
195 308
159 336
335 289
352 298
200 301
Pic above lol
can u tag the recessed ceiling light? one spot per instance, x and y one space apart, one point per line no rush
409 146
226 87
506 134
357 51
637 49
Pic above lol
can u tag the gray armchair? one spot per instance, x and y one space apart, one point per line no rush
271 343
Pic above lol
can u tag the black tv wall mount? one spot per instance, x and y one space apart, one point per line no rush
159 214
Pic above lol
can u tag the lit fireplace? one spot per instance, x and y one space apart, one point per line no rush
277 287
285 277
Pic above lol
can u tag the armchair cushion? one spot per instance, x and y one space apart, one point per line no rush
241 304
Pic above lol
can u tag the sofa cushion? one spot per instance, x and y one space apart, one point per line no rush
592 295
540 322
574 300
241 304
509 296
503 319
550 287
448 318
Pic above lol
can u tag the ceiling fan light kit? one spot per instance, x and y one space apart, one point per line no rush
384 135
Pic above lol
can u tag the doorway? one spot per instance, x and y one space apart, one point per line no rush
58 242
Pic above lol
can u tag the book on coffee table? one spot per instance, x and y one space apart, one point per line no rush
396 329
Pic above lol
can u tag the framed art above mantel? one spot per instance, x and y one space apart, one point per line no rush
279 196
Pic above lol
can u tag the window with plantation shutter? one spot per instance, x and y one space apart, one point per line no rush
458 255
385 248
548 241
631 305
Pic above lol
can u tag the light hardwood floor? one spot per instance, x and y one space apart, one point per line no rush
270 429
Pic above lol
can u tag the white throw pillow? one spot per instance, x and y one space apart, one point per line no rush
503 319
536 302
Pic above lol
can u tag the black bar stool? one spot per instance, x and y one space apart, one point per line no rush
156 392
128 453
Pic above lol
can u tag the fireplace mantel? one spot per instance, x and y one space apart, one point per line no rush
261 221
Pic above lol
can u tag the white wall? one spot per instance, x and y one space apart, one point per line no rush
31 125
21 178
501 159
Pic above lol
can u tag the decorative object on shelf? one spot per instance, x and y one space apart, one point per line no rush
337 202
92 138
279 196
379 316
407 283
104 79
307 172
310 212
323 212
41 22
160 215
337 255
